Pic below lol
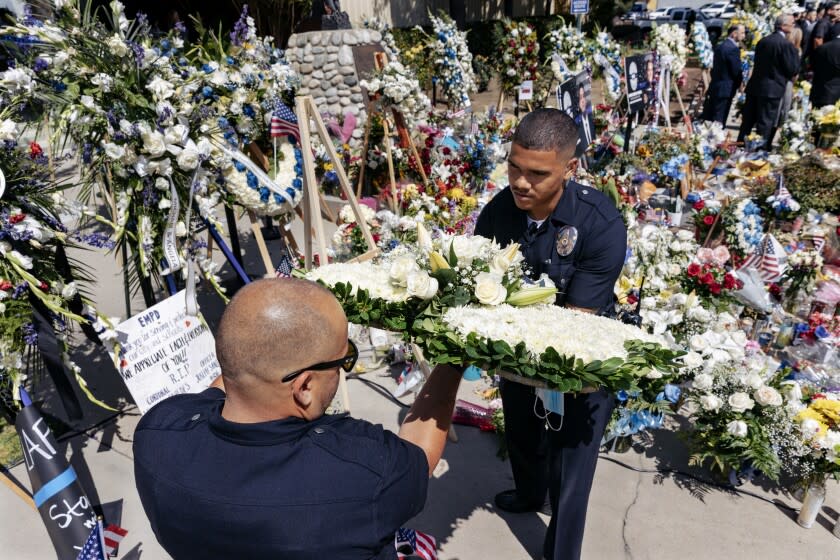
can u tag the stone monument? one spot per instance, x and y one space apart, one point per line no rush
330 72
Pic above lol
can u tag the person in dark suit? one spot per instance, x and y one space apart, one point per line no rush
825 89
776 63
827 27
726 76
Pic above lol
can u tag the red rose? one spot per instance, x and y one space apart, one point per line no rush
707 279
708 219
729 282
43 286
17 218
715 288
693 269
632 299
699 205
376 237
5 285
35 150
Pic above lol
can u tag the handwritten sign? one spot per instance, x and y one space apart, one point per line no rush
163 351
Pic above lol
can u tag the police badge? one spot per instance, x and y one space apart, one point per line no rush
566 239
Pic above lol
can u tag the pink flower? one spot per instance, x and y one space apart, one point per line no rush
705 255
720 255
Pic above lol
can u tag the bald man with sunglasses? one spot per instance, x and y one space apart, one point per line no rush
253 468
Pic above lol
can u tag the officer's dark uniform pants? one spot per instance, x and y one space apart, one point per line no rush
717 109
562 462
762 113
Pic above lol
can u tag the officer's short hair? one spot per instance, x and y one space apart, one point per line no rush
547 129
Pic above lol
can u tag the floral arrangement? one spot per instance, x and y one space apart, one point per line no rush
34 273
801 272
520 54
669 41
348 241
571 46
606 54
453 61
826 122
743 227
400 89
819 424
796 130
740 420
707 276
701 44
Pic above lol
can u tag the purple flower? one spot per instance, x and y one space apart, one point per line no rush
30 335
95 239
240 30
180 27
40 65
20 290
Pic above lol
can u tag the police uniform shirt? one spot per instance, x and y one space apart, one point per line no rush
335 487
592 267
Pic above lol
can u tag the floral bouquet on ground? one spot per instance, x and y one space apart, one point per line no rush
819 424
743 227
803 265
739 419
707 276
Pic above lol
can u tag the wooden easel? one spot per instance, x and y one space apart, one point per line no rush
307 113
380 60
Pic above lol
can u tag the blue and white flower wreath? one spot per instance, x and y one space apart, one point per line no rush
256 191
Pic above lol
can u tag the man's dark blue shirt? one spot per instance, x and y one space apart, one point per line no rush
335 487
598 256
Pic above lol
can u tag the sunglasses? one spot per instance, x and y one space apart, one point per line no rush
346 363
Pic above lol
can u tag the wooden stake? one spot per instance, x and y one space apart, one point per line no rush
12 485
310 198
501 102
395 207
308 109
364 156
266 258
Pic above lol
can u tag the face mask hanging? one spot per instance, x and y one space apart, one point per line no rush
553 401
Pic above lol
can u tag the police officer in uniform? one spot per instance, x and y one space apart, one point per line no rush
574 234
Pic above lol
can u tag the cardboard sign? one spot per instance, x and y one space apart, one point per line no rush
164 352
526 90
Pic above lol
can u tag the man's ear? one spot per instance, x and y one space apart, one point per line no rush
571 167
302 389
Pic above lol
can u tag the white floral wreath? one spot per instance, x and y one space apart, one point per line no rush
256 191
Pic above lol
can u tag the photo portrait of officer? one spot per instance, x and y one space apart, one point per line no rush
575 235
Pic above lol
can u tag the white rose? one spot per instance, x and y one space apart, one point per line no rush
176 134
113 151
693 360
703 382
698 343
752 380
767 396
740 402
489 289
467 248
710 403
188 158
737 428
401 268
164 203
419 284
24 261
154 144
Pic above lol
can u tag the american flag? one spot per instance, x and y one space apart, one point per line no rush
765 260
284 122
94 548
113 535
414 543
285 267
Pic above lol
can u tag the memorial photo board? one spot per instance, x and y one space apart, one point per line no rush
640 71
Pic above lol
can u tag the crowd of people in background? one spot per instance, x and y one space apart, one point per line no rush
803 45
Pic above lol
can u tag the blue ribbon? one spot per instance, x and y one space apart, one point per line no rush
54 486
